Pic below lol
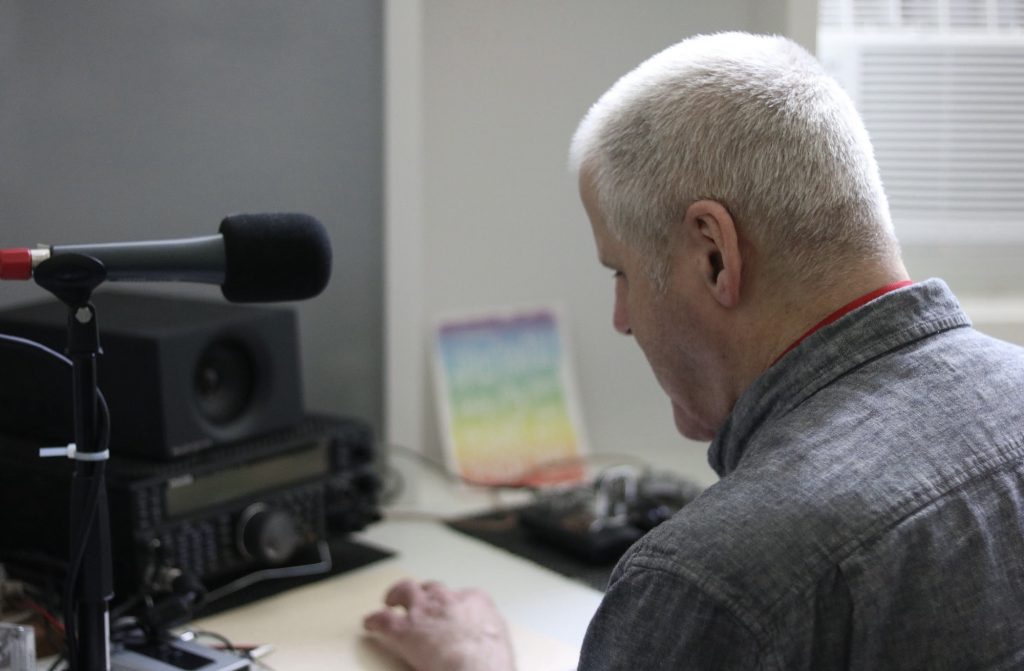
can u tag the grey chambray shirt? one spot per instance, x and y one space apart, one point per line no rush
869 515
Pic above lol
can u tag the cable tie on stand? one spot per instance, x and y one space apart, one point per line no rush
71 452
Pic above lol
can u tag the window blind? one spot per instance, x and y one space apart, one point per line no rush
940 84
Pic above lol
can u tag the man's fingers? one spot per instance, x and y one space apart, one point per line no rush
406 593
434 587
475 593
386 622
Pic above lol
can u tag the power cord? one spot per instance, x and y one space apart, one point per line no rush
592 466
323 565
526 480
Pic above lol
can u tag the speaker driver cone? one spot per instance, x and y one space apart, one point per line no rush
224 381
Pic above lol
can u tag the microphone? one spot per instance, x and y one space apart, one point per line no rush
256 258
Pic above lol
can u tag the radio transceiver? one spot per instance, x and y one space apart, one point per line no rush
229 510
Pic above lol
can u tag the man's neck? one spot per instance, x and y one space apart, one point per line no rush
780 323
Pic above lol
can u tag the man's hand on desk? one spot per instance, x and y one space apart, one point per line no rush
442 629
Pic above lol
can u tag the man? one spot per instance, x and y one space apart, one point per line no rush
870 444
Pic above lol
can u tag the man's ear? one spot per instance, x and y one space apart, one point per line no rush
715 248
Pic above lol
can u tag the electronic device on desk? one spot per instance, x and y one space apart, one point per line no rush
174 655
598 522
210 518
180 375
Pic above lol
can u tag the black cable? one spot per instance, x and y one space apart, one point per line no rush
246 652
125 607
77 548
71 581
224 640
321 567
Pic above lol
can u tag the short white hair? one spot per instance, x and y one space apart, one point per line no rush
750 121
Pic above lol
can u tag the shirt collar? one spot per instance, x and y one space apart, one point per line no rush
846 309
863 332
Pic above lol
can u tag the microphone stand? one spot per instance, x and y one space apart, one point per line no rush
72 278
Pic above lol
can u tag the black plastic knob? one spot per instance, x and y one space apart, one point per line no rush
268 535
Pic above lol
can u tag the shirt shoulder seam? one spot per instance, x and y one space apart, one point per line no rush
714 589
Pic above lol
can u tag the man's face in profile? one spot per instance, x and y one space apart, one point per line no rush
665 324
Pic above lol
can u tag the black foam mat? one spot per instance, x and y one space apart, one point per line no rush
502 529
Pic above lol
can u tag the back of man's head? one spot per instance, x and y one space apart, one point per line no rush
754 123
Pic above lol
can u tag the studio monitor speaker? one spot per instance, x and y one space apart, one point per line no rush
179 375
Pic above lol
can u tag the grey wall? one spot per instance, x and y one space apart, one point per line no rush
149 119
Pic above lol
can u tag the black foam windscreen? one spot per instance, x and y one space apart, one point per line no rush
274 257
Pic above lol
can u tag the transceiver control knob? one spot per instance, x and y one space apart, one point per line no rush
267 534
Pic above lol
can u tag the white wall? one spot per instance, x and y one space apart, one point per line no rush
482 97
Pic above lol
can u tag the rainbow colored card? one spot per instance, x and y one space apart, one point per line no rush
507 400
